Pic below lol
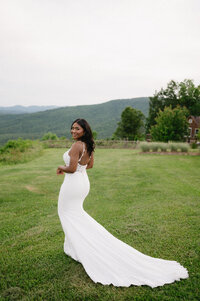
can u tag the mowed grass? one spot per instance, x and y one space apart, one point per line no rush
151 202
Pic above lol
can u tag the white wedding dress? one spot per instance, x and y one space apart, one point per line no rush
105 258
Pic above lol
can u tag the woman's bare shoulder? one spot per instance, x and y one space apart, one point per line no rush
78 145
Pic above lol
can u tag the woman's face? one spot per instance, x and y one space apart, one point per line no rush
77 131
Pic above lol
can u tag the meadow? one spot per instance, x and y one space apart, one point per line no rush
150 201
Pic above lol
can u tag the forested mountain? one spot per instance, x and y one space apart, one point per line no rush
23 109
103 119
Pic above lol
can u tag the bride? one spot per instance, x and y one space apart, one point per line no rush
105 258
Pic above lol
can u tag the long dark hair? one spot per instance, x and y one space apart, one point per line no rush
87 136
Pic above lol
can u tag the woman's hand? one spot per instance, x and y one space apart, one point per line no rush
59 171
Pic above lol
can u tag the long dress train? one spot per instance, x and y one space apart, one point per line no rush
105 258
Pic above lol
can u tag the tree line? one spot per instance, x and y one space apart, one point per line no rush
168 112
167 118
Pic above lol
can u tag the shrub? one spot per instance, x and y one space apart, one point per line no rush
49 136
154 146
177 146
194 145
99 142
18 144
173 147
145 147
184 147
163 147
18 151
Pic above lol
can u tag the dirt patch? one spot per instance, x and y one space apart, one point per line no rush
34 231
13 293
32 188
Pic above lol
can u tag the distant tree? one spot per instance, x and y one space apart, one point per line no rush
94 133
131 124
184 94
171 125
49 136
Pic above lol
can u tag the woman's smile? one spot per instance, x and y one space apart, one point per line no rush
77 131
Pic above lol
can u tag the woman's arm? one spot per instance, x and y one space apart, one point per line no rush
91 162
74 157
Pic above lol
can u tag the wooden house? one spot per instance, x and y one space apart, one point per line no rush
194 127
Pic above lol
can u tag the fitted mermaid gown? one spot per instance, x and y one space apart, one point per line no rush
105 258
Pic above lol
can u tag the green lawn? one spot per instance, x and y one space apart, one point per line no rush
151 202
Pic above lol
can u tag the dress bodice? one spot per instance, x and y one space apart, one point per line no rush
66 158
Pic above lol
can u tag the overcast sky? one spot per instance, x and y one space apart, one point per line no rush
71 52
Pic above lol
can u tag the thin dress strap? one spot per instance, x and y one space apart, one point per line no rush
82 152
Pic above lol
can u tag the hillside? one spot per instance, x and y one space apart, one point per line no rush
23 109
103 119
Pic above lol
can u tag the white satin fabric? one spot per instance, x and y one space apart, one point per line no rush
105 258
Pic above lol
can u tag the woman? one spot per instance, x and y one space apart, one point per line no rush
105 258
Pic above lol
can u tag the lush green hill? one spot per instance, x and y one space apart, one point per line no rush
103 119
23 109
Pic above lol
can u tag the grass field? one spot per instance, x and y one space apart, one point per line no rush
151 202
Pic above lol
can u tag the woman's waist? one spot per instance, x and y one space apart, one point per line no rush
78 174
81 168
